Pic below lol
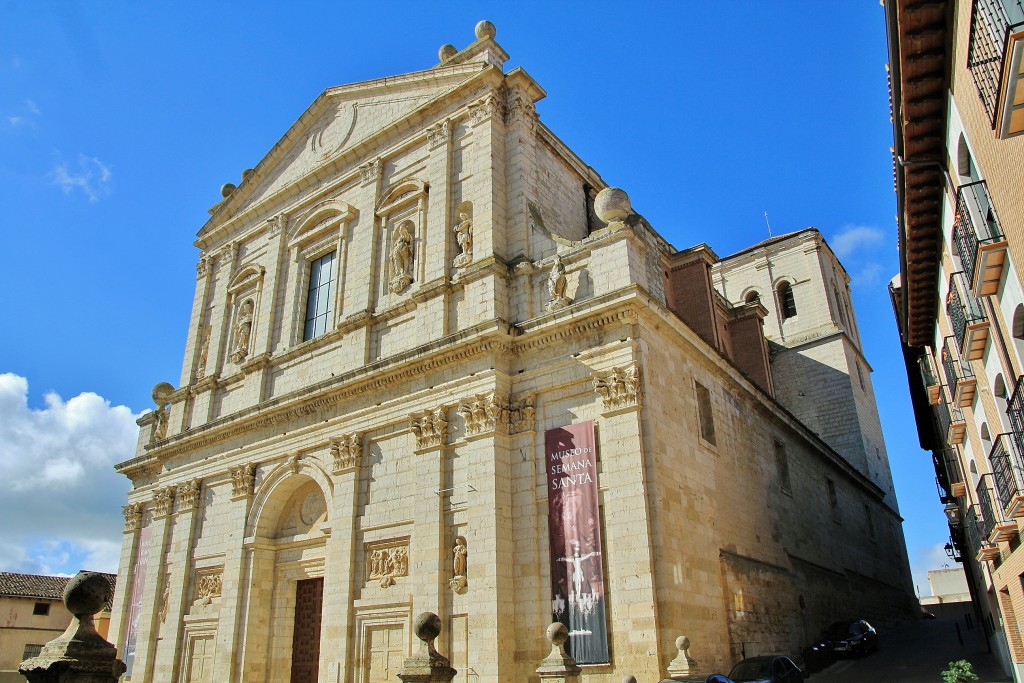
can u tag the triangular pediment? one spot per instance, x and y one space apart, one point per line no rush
335 124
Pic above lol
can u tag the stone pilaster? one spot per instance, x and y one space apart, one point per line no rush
339 574
429 552
133 516
177 570
230 627
254 641
149 623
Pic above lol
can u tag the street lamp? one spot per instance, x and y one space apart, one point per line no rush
952 511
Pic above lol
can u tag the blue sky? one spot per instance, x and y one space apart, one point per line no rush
120 121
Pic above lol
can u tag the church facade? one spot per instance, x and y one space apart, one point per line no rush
436 364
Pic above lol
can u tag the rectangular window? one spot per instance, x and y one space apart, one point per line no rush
320 298
31 650
833 499
41 608
782 463
704 415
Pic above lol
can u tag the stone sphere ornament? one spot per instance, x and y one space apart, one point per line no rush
557 633
447 51
226 189
427 626
682 643
162 394
86 594
485 29
612 205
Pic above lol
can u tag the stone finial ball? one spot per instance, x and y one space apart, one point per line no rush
247 172
87 593
162 394
629 679
485 29
683 643
447 51
557 633
427 626
612 204
226 189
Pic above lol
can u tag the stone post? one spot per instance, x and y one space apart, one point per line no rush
80 655
558 665
427 665
683 664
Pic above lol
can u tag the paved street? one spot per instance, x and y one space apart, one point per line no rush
917 653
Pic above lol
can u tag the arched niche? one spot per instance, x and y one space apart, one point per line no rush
284 492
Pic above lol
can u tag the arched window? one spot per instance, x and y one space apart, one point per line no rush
752 297
986 438
787 304
974 474
1018 331
1001 399
964 163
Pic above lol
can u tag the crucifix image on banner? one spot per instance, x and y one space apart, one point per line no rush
574 532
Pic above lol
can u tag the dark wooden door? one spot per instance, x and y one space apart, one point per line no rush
309 602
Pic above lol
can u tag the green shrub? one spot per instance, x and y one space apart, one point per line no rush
959 672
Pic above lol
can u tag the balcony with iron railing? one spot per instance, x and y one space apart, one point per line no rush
954 472
959 375
979 238
977 538
994 524
951 422
1008 475
967 317
929 378
997 29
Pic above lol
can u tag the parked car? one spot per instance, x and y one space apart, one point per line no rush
852 638
767 669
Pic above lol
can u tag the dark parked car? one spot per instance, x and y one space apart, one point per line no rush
767 669
852 638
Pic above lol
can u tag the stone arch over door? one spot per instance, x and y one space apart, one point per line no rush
286 533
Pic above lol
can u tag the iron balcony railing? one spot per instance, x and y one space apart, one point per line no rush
954 472
986 506
976 225
1015 412
962 308
1007 470
948 415
928 375
992 24
957 371
972 530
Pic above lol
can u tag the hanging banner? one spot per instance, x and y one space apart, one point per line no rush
574 532
135 596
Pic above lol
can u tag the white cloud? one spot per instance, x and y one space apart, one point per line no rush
32 107
855 238
60 499
91 176
16 121
25 118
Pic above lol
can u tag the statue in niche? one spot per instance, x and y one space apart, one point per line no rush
464 235
556 285
460 553
401 258
204 352
243 331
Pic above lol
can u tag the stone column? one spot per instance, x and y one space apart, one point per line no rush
336 636
254 641
80 655
428 548
231 625
149 627
178 568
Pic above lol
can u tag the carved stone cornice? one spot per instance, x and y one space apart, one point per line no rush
132 516
256 363
485 413
489 338
163 501
359 319
430 428
519 108
369 172
490 106
243 480
438 134
621 387
187 494
347 451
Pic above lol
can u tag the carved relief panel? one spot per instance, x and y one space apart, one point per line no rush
386 560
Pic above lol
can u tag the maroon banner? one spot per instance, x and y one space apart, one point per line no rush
574 532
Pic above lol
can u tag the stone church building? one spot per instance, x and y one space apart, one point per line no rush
436 364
